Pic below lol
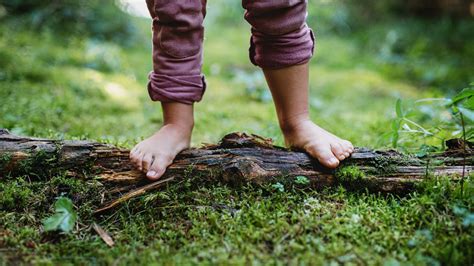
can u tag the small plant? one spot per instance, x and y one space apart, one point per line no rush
467 216
64 217
278 187
301 180
403 124
463 103
455 117
443 118
462 107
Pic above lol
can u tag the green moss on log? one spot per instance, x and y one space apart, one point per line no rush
5 160
350 174
40 164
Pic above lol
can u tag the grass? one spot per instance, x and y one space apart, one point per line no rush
214 223
79 88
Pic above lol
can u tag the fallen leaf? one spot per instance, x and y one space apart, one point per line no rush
104 235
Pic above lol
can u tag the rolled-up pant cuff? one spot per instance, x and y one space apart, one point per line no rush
177 51
279 51
185 89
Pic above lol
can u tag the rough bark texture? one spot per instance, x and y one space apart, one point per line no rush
238 158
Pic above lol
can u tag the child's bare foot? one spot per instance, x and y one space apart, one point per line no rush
327 148
289 87
156 153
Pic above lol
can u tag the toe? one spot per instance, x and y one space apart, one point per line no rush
133 155
136 158
346 151
146 162
158 167
323 154
347 146
140 161
338 151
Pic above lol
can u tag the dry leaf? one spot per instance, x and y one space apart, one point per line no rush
104 235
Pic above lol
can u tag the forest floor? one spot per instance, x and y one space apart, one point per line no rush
85 89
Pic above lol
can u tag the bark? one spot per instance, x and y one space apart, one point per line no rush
238 159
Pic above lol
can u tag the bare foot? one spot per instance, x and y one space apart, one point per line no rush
156 153
289 87
327 148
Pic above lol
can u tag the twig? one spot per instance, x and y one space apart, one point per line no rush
134 193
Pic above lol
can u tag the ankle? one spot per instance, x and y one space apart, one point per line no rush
178 115
184 126
292 125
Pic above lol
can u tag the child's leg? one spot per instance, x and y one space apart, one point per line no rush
282 45
289 87
176 81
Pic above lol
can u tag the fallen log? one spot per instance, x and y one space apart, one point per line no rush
239 158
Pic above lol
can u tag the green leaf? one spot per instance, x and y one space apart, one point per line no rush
425 150
470 134
468 104
469 114
279 187
395 139
398 108
396 123
464 94
302 180
468 220
395 135
455 109
64 217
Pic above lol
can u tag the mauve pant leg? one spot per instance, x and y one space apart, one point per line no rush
280 35
177 50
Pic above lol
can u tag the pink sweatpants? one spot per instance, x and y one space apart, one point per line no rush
280 38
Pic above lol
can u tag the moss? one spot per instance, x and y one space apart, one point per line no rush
39 164
385 165
5 160
349 174
14 195
87 194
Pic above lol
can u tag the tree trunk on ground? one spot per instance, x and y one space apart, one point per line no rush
239 158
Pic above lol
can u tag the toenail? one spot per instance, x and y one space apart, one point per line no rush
152 173
333 161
